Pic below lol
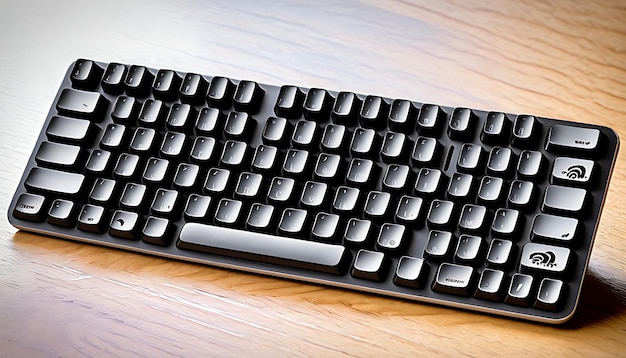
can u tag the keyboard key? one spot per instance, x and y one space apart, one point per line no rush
461 124
165 203
499 162
133 196
281 190
295 162
530 164
520 290
228 212
325 227
521 193
561 199
468 249
374 110
289 102
470 158
166 85
554 228
346 199
393 146
524 129
180 117
572 171
411 272
143 140
260 216
68 130
203 150
126 167
304 133
173 145
346 106
124 224
314 194
363 142
248 185
49 181
193 89
209 121
357 232
275 130
316 103
92 218
327 166
570 138
152 113
500 252
265 158
113 79
186 176
370 265
454 279
234 153
473 218
138 81
248 96
102 191
237 124
85 74
292 221
429 181
396 177
391 237
333 138
551 294
490 190
217 180
505 222
424 151
438 245
61 213
309 255
428 120
58 155
377 204
545 258
491 285
197 207
157 231
360 171
220 92
80 104
409 209
496 128
125 110
29 207
460 187
440 214
401 112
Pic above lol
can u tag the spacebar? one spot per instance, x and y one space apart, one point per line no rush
308 255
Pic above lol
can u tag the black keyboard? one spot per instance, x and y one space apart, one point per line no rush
485 211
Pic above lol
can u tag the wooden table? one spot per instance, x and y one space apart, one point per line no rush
60 298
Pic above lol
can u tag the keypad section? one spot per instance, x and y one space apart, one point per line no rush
458 206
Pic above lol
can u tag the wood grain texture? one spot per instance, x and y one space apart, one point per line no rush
554 59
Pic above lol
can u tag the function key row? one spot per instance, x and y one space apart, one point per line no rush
167 85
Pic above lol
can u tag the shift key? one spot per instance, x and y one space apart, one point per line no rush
80 104
54 181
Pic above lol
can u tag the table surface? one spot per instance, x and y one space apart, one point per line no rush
62 298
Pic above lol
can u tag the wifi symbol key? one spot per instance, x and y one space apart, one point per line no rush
572 170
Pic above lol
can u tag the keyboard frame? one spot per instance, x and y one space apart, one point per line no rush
582 249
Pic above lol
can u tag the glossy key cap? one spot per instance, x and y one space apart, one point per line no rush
85 74
220 92
113 79
68 130
58 155
289 102
259 247
570 138
138 81
166 84
29 207
317 103
247 97
454 279
193 89
346 107
80 104
54 181
411 272
370 265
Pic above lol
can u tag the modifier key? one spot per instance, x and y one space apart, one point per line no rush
568 138
80 104
54 181
308 255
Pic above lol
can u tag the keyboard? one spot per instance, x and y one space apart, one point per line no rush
477 210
